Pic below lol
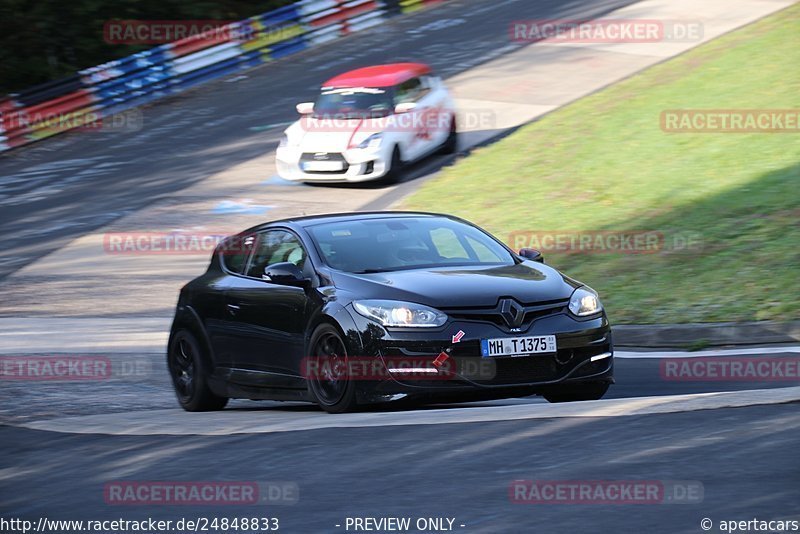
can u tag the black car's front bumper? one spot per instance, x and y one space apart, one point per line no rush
584 353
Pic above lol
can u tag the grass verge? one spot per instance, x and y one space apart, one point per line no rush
726 205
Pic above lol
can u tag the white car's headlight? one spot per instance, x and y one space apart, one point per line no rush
397 313
584 301
373 141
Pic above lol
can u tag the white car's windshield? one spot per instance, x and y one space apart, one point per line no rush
353 102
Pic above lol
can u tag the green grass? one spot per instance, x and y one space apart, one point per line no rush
604 164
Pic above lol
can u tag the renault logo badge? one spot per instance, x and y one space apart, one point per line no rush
512 312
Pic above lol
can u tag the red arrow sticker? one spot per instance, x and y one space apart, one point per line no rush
458 336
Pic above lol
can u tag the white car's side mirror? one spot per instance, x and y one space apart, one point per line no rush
405 107
305 108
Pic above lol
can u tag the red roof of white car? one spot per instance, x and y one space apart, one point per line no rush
378 75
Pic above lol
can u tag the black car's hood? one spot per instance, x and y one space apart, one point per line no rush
473 286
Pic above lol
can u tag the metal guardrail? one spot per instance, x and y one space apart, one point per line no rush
84 99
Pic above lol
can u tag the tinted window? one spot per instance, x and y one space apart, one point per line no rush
483 252
405 243
276 246
234 252
447 243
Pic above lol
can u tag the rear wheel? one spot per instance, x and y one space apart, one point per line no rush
189 375
330 384
576 392
450 145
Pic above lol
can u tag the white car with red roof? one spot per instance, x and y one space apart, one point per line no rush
367 124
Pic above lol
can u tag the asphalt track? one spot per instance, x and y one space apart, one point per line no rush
445 461
744 459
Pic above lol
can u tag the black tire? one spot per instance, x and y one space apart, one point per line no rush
189 374
576 392
334 392
395 168
450 145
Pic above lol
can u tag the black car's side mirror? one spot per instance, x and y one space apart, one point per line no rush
531 254
284 273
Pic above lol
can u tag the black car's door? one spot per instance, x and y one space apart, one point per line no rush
223 332
269 318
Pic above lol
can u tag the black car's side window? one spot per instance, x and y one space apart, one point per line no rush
276 246
235 251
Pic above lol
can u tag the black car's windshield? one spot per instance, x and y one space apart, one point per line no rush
380 245
358 102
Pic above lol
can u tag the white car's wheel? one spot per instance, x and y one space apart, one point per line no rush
450 145
394 174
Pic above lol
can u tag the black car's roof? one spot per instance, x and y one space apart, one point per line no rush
310 220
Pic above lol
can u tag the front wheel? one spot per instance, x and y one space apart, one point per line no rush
576 392
330 383
395 171
189 375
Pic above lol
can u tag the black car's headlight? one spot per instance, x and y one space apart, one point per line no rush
398 313
584 301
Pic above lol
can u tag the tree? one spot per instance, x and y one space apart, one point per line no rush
42 40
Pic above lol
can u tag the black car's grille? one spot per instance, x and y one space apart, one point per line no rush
477 316
523 369
544 312
494 316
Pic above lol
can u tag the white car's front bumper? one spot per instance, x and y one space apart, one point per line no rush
359 165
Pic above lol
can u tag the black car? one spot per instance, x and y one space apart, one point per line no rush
354 309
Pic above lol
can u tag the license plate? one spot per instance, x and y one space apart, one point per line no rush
517 346
323 166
